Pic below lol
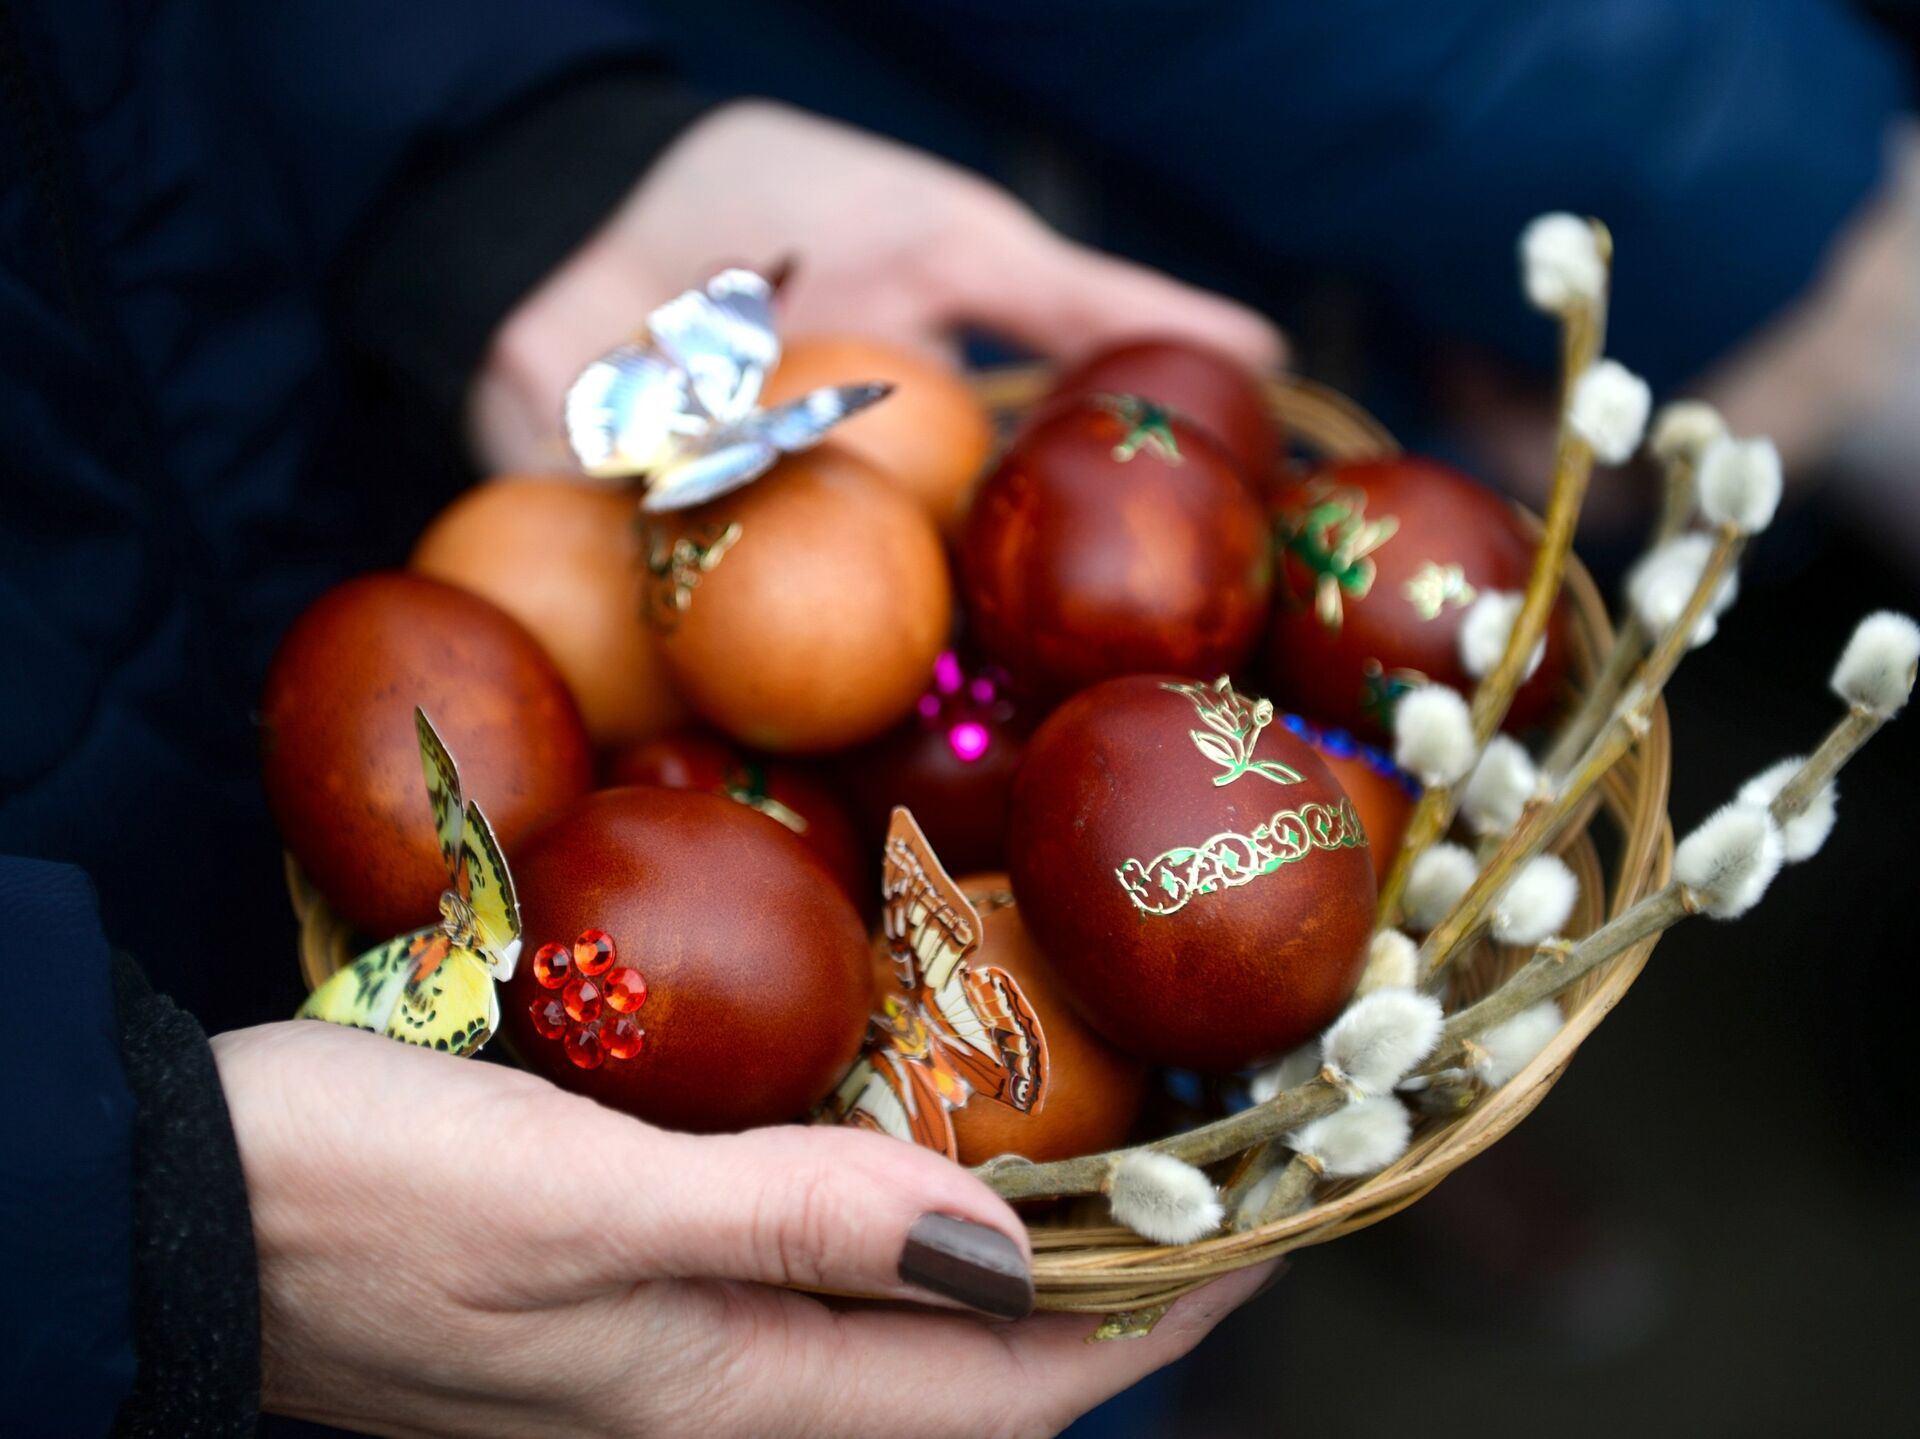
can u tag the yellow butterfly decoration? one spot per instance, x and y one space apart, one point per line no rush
434 987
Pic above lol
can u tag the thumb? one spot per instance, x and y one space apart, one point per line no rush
831 1209
1064 299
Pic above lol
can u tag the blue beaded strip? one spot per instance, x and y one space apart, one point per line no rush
1338 744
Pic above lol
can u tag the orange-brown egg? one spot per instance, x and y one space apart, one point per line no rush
561 556
804 612
1093 1091
931 435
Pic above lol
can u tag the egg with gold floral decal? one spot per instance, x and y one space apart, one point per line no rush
802 613
1114 538
688 961
1379 561
1197 878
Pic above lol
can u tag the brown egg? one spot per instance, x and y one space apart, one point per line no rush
562 557
1196 876
1379 561
1114 538
1093 1091
811 604
1214 391
1381 791
931 436
689 758
687 961
951 762
341 758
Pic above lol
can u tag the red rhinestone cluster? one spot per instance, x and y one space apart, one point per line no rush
593 1012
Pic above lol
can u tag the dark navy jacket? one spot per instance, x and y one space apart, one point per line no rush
190 447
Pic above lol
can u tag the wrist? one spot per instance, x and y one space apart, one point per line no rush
196 1276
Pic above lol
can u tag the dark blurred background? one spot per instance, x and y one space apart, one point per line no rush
1712 1225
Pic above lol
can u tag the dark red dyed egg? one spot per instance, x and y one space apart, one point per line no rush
952 763
780 789
1196 876
1379 560
709 973
1115 538
1213 391
341 758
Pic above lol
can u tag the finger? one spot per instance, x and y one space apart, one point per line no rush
957 1376
837 1210
1065 299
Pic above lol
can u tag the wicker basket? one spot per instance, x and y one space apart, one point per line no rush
1083 1264
1099 1268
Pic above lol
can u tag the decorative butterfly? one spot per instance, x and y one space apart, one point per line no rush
955 1029
681 406
434 987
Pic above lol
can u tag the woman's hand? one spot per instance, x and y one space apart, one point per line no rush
452 1247
889 242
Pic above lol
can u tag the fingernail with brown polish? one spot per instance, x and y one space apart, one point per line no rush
968 1263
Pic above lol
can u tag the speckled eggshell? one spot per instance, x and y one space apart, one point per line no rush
818 628
755 963
1229 977
1078 565
1093 1091
340 757
1214 391
1407 623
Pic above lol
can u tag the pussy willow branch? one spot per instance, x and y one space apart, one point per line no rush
1291 1193
1015 1179
1582 334
1541 818
1842 743
1677 498
1546 975
1550 971
1631 640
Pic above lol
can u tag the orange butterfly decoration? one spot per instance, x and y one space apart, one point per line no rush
954 1029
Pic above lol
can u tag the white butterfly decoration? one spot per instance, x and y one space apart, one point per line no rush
681 407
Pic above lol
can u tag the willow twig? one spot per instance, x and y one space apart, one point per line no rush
1842 743
1555 968
1582 334
1291 1193
1632 639
1013 1178
1631 716
1629 648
